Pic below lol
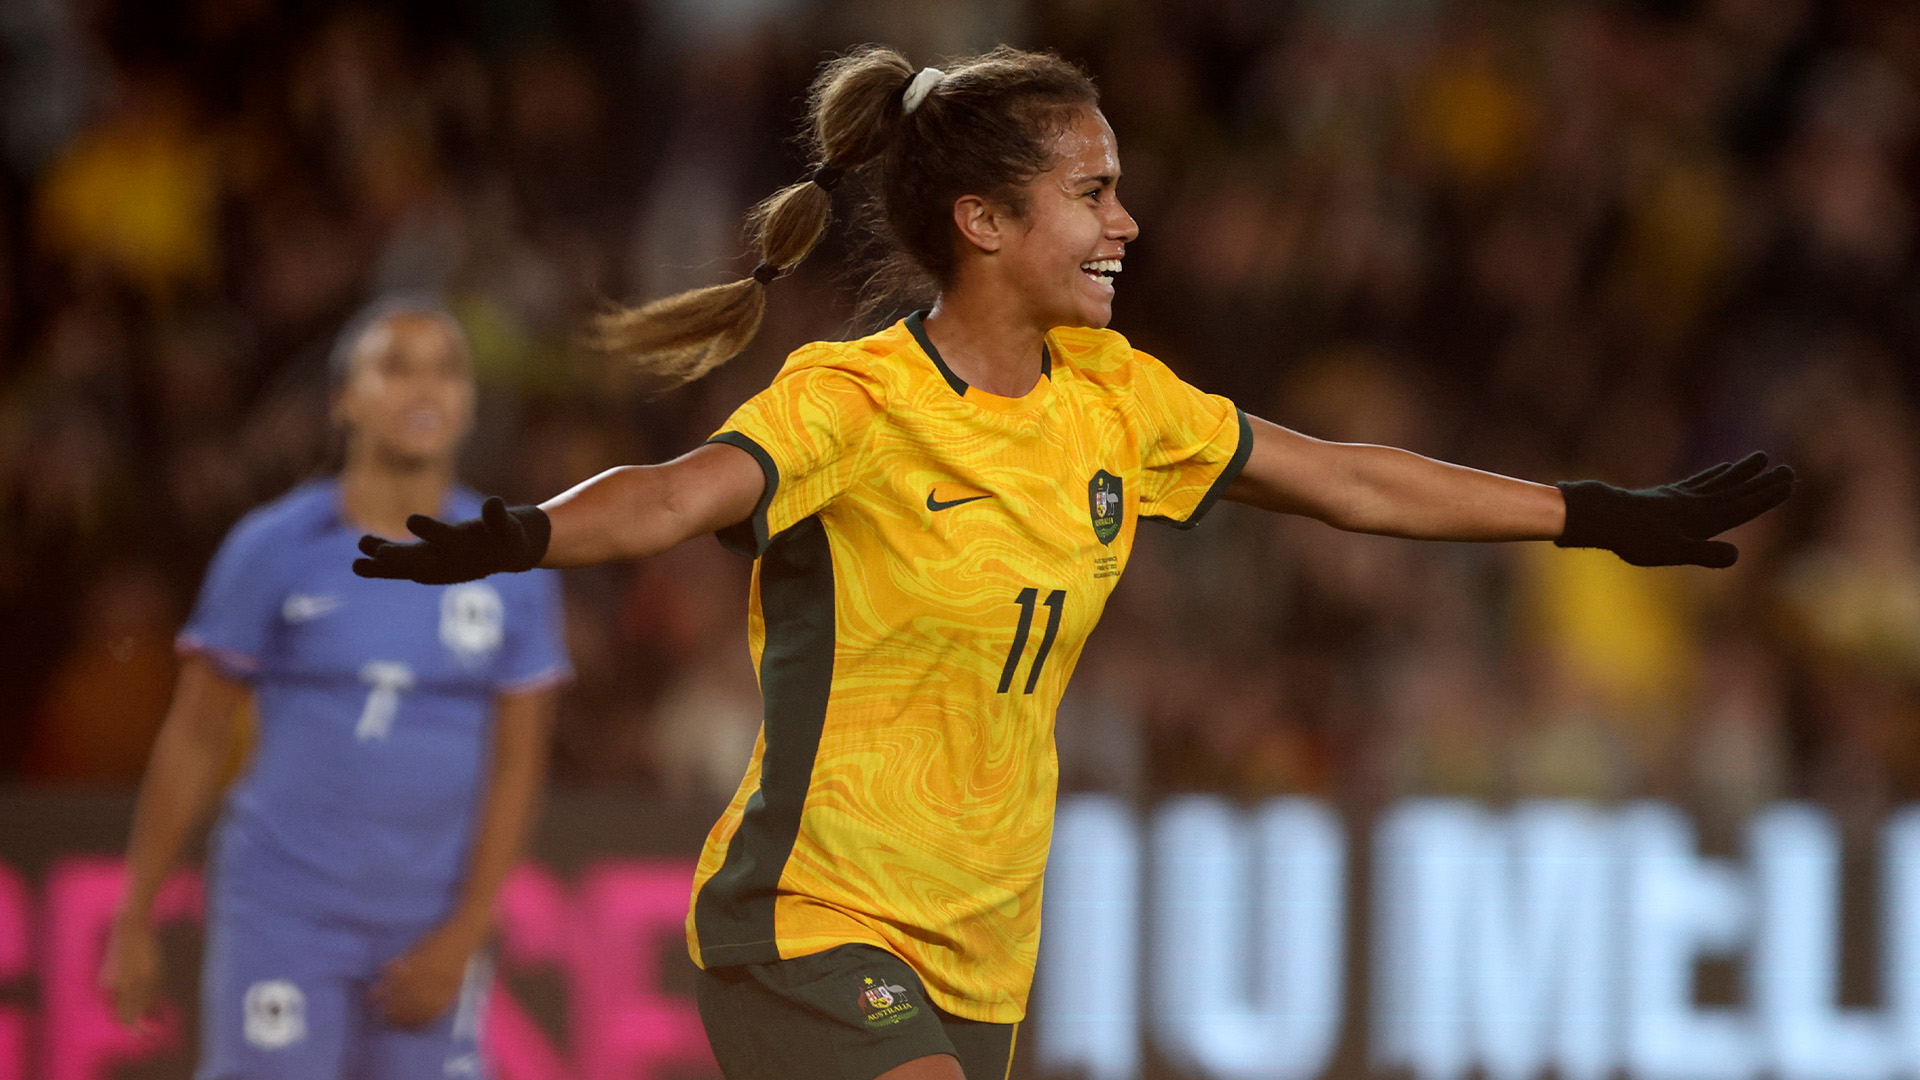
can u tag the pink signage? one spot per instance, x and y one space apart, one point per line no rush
608 935
16 964
605 936
83 1039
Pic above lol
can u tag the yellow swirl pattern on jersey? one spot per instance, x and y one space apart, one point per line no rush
931 559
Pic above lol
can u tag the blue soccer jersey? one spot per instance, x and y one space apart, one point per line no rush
375 700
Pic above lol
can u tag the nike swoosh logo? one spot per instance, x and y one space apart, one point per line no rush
936 505
300 607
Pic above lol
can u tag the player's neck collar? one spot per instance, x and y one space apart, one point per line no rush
917 326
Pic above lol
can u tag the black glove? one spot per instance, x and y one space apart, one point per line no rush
501 538
1670 525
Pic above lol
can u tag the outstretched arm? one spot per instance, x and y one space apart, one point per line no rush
640 510
1380 489
625 513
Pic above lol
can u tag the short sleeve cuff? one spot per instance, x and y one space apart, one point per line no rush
231 662
749 537
1226 478
558 675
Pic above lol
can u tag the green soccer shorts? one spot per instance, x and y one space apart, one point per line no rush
850 1013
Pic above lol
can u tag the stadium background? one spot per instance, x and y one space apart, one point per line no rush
1612 239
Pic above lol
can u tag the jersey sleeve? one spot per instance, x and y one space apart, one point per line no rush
234 615
809 431
534 655
1193 444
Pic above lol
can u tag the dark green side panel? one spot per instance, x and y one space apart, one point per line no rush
733 915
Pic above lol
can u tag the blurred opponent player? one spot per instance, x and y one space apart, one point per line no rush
939 512
402 747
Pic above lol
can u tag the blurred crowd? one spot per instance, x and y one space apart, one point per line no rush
1621 239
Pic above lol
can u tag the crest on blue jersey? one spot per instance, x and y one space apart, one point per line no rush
1103 502
471 618
276 1014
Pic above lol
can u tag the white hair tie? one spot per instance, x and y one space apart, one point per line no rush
917 90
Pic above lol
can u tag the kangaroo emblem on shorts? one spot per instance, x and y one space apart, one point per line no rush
885 1004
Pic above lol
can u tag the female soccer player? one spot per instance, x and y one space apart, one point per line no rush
401 748
938 513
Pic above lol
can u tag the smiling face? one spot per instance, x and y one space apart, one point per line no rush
1064 252
408 395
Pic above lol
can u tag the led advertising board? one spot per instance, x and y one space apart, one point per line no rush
1440 940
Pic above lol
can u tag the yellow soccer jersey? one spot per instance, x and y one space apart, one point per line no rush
931 559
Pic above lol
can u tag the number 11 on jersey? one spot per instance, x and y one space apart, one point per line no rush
1055 600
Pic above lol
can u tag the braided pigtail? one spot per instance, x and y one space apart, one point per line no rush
854 107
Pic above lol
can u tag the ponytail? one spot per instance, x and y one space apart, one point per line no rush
855 107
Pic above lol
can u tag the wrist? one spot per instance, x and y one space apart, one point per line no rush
133 916
1586 512
538 529
469 924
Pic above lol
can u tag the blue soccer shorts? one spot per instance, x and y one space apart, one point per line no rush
287 998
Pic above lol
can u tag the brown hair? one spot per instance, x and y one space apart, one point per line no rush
986 129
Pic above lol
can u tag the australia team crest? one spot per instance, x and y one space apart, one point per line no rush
885 1004
1104 503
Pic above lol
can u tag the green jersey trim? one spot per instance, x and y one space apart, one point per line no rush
1220 483
917 326
748 537
733 914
